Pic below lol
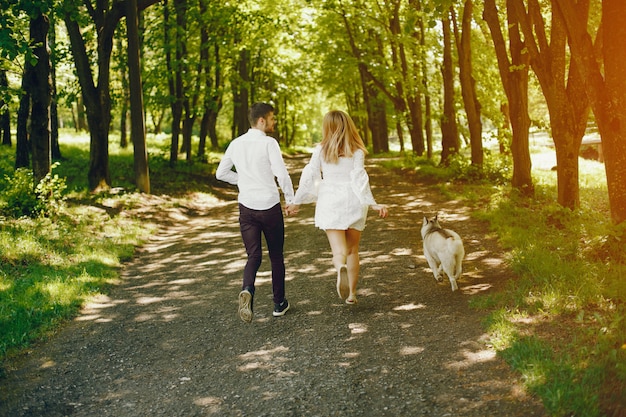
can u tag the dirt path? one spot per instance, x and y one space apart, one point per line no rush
168 342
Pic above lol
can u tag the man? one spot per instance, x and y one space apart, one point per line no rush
258 161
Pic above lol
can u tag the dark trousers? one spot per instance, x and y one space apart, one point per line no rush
270 222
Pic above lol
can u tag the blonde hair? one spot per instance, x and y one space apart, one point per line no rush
339 136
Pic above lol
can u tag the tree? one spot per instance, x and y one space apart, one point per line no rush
450 142
513 65
388 56
604 78
173 35
22 143
96 95
563 90
214 24
5 116
39 85
138 129
468 83
54 113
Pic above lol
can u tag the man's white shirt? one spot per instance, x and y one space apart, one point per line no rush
258 161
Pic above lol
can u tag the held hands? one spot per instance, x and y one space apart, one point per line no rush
382 210
292 209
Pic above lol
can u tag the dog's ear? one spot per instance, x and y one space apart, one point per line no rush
425 222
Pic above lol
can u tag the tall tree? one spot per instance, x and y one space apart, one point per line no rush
54 112
213 20
468 83
428 121
563 90
604 79
450 141
103 18
513 64
388 58
22 143
241 92
39 84
173 34
5 116
137 126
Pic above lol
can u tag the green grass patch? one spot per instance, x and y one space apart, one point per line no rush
50 266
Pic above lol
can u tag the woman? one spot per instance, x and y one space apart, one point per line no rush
335 178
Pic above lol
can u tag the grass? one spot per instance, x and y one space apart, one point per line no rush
50 265
561 323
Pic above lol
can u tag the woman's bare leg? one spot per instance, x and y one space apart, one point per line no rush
353 237
338 246
337 240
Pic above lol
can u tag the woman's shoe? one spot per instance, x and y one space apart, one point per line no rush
343 288
351 299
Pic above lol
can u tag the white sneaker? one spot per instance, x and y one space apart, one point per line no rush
245 306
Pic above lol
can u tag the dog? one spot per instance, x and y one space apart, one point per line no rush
443 250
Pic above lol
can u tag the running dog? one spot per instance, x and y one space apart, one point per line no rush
444 251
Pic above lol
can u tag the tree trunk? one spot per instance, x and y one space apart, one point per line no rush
81 116
125 95
40 88
241 95
450 142
565 96
514 75
22 147
368 91
5 116
175 81
137 126
400 134
54 113
428 121
378 123
468 85
415 124
124 123
97 99
605 86
191 88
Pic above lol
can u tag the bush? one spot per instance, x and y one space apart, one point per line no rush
22 197
496 169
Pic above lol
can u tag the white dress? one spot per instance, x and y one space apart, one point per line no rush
342 191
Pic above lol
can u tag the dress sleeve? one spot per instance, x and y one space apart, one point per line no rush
360 180
280 171
309 180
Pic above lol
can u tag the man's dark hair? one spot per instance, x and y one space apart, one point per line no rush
257 111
